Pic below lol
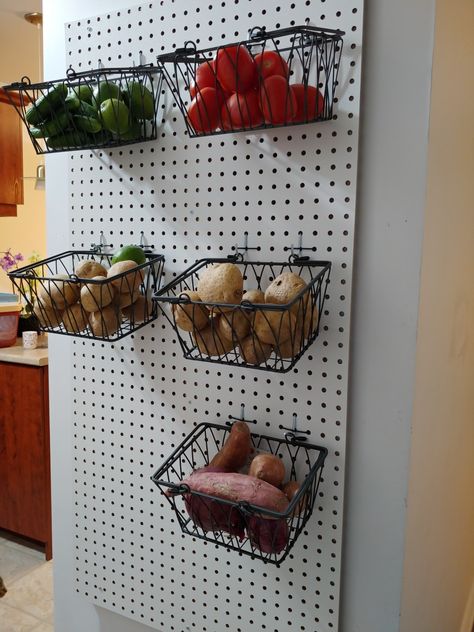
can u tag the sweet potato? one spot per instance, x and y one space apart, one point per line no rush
213 515
290 490
237 487
270 536
234 453
268 467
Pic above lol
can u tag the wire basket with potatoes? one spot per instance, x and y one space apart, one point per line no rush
91 294
248 492
262 315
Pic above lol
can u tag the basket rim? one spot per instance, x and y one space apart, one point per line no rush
147 69
22 273
251 508
183 54
160 297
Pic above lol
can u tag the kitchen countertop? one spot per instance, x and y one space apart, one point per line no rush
34 357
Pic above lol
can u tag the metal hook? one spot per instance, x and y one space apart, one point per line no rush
146 247
245 248
293 434
242 416
102 245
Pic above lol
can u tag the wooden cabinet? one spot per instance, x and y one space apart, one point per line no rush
25 487
11 158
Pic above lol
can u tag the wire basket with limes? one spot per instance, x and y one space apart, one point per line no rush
90 110
94 293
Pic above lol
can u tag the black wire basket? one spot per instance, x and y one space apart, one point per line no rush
241 526
90 110
272 79
72 294
269 326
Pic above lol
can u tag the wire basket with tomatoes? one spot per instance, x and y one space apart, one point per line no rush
108 107
260 315
272 79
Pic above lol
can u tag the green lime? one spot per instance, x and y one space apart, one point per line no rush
140 100
83 92
115 116
134 132
129 253
103 91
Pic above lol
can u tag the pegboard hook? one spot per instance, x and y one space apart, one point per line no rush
293 434
102 245
299 248
146 247
245 248
242 416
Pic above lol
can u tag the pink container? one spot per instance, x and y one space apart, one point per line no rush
9 315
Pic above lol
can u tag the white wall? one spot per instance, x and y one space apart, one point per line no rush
439 557
388 250
26 232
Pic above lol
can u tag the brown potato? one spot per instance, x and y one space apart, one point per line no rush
88 269
188 316
209 342
47 316
274 327
96 296
75 318
125 299
138 311
58 292
129 282
106 322
284 289
310 321
253 296
235 325
253 351
289 348
221 283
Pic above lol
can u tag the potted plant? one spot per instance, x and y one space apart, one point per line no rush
27 321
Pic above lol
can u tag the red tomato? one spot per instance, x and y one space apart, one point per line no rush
277 101
271 63
244 110
309 103
225 122
235 69
205 78
203 111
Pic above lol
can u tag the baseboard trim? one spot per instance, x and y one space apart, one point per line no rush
468 618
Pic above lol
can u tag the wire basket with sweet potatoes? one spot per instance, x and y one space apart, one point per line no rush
218 496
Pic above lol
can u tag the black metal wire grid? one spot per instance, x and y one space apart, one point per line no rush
240 526
69 114
312 56
263 336
103 308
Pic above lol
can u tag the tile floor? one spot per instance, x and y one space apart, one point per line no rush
28 604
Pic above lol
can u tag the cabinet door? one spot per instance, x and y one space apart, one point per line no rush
24 451
11 159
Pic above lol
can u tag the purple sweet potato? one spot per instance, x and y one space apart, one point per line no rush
213 515
267 534
236 488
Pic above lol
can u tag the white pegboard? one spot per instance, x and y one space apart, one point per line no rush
135 401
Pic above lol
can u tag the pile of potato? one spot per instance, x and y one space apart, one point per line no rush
257 333
100 306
